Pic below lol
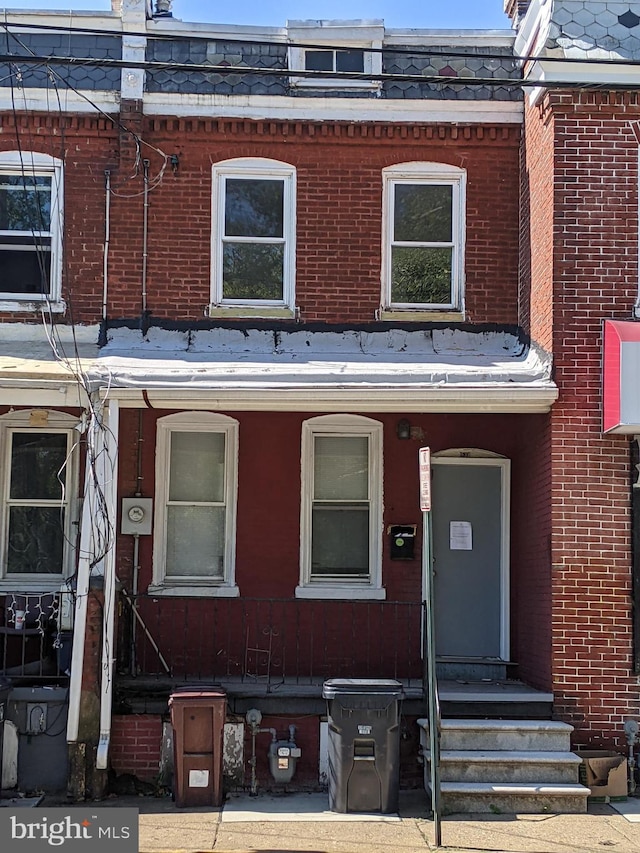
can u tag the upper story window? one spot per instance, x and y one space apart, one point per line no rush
39 483
30 228
334 60
345 53
341 508
253 235
195 513
424 236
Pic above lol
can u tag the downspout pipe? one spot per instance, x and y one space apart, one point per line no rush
108 652
107 239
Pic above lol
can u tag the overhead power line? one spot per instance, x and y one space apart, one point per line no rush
242 70
227 38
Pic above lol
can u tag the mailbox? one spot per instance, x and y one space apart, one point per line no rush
402 540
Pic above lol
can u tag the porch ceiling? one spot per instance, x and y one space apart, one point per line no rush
439 370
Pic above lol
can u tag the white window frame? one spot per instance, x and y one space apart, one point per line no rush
32 163
39 421
336 35
435 174
194 584
257 169
342 425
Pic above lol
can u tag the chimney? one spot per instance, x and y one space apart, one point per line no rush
516 10
163 9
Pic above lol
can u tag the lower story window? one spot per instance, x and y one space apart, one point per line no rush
341 503
195 510
38 482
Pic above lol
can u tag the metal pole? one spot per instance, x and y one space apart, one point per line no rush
432 683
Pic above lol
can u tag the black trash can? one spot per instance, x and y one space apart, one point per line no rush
364 744
5 689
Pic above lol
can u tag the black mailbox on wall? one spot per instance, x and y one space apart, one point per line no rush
402 540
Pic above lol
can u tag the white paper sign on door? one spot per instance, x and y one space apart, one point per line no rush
460 536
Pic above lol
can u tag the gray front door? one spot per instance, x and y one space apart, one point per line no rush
470 548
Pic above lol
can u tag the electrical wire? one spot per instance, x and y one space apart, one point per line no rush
438 52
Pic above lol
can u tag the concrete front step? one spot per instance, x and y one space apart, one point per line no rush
510 735
513 798
504 766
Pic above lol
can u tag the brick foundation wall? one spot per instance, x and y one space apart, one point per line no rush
136 741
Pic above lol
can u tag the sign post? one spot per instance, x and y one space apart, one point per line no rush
429 638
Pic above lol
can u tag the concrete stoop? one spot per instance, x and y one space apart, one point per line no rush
506 767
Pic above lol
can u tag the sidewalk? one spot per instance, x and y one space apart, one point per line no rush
301 822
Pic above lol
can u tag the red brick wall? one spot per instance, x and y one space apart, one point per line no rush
268 543
136 742
339 204
87 145
339 201
531 555
536 228
595 230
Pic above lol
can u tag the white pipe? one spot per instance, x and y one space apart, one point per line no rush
145 232
111 495
107 237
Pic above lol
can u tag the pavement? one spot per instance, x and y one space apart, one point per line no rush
293 823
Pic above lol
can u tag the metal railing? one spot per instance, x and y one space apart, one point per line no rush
270 640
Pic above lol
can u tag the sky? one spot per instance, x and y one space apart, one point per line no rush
423 14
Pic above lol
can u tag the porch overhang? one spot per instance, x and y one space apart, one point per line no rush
621 377
389 370
36 370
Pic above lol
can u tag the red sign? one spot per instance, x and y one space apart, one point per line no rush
425 479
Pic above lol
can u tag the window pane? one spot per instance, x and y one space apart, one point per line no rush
340 540
24 271
341 468
25 203
318 60
253 271
196 471
35 542
421 275
422 213
36 459
254 208
349 60
195 541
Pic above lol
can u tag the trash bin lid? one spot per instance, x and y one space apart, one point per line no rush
197 692
370 686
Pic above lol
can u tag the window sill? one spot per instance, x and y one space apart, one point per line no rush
417 316
250 311
334 83
347 593
193 590
32 305
25 584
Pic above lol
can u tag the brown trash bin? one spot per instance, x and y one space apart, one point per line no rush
197 716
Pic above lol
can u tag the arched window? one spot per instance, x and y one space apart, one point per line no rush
341 508
253 234
195 512
31 196
423 237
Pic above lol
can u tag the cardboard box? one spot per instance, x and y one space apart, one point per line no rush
605 773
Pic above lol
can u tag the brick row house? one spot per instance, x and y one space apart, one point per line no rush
247 274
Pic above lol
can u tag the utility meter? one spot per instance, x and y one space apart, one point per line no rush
136 516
